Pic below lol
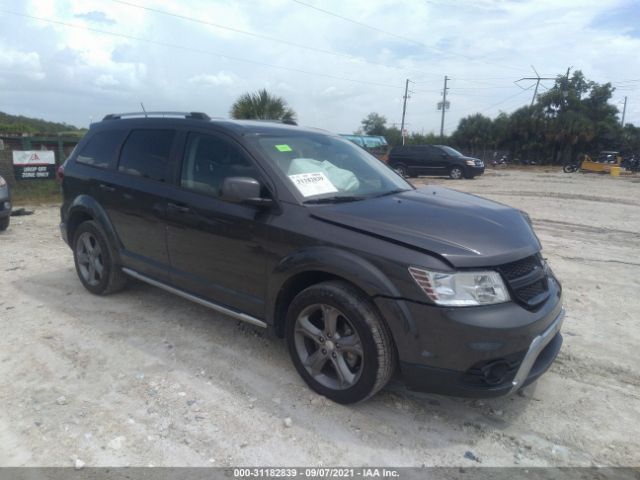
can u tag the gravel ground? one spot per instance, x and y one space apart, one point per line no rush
145 378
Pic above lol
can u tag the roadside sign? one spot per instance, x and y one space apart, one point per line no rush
34 164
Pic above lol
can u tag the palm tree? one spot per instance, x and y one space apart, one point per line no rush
261 105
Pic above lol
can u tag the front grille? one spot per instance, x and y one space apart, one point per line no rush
519 268
527 281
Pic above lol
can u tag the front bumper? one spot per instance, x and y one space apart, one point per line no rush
476 351
541 353
474 171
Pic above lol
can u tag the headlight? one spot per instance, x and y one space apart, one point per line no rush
461 289
2 182
471 163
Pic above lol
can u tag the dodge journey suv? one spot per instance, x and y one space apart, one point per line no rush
305 234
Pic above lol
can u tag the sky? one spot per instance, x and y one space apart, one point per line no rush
334 62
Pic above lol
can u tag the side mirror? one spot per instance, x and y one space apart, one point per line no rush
243 190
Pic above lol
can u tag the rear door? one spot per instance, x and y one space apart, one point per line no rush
421 159
134 197
217 247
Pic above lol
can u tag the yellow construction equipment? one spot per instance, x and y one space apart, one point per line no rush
605 161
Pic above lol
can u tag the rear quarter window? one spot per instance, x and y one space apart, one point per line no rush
146 153
101 149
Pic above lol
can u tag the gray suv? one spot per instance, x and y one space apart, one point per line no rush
302 233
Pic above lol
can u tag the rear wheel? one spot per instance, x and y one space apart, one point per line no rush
94 261
4 223
338 342
455 172
401 170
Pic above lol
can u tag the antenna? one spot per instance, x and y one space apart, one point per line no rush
145 112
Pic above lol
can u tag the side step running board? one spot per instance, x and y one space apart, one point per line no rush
213 306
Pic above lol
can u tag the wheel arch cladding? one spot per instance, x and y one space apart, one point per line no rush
84 208
307 267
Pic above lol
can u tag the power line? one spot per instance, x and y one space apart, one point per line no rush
537 78
356 22
406 39
261 36
494 105
197 50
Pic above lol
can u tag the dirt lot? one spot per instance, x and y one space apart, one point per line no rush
145 378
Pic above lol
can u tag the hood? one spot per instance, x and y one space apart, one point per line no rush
466 230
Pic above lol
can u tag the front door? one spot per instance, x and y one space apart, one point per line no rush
216 247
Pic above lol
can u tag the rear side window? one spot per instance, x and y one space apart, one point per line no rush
100 150
146 153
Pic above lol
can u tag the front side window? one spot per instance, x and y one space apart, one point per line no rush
146 153
100 150
452 151
323 167
208 160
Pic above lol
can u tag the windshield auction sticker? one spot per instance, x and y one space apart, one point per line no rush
309 184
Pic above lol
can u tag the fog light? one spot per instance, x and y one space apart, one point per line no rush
495 373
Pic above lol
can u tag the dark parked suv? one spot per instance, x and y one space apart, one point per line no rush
307 235
414 160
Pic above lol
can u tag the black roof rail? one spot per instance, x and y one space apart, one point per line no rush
188 115
286 122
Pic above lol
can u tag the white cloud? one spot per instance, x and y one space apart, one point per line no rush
21 64
212 80
482 45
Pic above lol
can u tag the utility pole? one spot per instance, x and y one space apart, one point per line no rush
404 108
444 107
624 111
537 78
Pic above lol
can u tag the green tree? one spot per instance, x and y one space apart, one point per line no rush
374 124
262 105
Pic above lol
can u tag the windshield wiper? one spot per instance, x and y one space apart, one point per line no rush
335 199
391 192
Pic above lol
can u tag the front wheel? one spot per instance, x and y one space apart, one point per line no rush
455 173
338 342
569 168
4 223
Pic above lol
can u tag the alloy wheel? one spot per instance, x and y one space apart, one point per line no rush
328 346
89 255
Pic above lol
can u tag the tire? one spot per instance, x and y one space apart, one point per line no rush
366 361
4 223
569 168
456 172
401 169
94 261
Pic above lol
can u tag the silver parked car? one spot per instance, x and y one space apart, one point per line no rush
5 204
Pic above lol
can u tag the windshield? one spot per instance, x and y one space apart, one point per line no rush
324 167
451 151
